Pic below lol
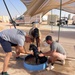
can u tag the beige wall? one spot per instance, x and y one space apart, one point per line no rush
1 18
4 19
52 18
29 19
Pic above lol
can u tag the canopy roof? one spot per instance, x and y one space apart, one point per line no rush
43 6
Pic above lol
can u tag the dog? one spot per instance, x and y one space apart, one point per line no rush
36 54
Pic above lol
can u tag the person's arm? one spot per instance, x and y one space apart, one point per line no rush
45 54
39 48
22 50
49 53
39 41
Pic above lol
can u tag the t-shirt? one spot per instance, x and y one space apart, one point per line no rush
58 47
15 36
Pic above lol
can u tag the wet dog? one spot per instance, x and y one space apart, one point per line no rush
36 54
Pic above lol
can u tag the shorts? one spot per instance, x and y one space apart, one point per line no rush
61 56
6 45
58 56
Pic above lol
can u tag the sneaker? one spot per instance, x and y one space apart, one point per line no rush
50 67
4 73
63 62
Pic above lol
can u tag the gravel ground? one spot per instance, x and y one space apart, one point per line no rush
67 39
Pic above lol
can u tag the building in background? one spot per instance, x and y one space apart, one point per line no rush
4 19
19 19
0 18
35 18
52 19
46 19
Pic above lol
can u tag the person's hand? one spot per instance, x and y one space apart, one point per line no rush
30 52
41 54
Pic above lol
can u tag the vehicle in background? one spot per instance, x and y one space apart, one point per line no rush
18 20
64 21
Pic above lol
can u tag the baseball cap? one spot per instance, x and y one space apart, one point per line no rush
48 38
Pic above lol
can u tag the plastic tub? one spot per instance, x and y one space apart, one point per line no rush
35 67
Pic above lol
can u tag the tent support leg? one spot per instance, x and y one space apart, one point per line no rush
60 19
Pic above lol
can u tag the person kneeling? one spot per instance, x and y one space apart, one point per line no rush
57 52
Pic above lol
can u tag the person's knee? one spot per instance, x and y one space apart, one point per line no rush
9 54
54 54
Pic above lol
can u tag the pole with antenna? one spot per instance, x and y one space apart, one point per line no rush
51 22
60 19
13 22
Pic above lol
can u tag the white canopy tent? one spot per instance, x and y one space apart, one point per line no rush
43 6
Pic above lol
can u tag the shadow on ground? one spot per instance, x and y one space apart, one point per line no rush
48 73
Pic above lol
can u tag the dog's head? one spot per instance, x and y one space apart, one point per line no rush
32 47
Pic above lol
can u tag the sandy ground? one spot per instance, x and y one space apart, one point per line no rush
67 39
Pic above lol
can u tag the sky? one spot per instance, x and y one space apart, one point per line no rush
16 7
64 14
57 12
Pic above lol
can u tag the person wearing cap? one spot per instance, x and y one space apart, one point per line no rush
35 34
9 38
57 52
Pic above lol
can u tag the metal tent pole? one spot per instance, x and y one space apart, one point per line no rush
13 22
51 22
60 20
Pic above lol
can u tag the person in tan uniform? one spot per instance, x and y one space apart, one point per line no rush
35 34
